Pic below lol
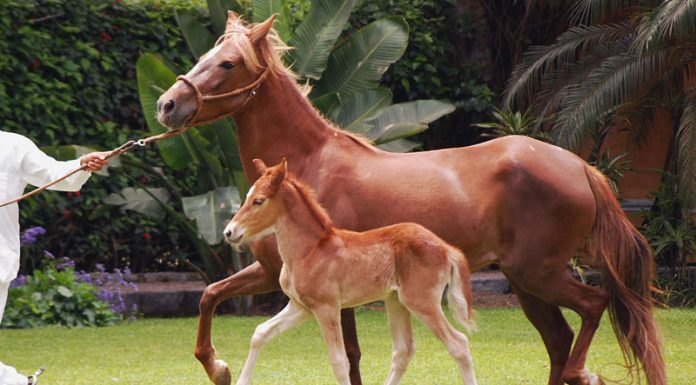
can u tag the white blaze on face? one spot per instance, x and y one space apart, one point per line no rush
251 191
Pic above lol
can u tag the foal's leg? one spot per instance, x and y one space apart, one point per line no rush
329 319
429 311
253 279
402 339
553 328
291 316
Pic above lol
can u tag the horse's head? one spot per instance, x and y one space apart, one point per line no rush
262 208
224 80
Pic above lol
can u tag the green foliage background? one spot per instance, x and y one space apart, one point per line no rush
67 76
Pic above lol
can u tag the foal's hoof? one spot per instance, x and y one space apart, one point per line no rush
221 374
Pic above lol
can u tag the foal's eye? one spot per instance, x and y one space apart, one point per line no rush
227 65
258 202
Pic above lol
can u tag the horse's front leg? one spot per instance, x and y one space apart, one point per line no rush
253 279
329 319
292 315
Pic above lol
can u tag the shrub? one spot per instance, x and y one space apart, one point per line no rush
57 294
68 77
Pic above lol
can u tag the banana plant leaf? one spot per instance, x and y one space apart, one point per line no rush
359 62
139 200
399 145
197 37
211 211
263 9
218 13
316 36
357 108
405 119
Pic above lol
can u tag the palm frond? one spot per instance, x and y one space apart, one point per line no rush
606 88
673 19
539 59
686 147
597 11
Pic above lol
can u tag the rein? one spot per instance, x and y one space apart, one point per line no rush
200 98
125 147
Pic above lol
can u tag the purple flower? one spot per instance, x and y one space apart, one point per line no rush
30 235
66 264
20 281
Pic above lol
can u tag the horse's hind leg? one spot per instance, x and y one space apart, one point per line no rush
292 315
402 339
553 328
253 279
560 288
456 342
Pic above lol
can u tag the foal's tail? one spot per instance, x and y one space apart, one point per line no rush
627 263
459 293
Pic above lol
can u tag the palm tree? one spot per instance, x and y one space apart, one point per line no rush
628 58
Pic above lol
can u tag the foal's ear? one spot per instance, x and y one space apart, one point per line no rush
260 166
260 30
232 19
283 165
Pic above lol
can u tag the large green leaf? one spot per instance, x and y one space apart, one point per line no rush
359 62
405 119
154 77
263 9
198 38
357 108
399 145
329 105
211 211
140 200
316 36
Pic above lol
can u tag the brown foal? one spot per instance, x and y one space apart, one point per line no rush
326 268
525 205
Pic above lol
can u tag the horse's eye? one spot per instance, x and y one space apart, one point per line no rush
227 65
258 201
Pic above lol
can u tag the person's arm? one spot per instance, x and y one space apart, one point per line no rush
39 169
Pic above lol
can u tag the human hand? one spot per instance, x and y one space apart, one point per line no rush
95 161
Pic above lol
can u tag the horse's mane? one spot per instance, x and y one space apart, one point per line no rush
273 49
309 198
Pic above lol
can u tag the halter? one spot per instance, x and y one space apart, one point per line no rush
200 98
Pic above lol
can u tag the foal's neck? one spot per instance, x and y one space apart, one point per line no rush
280 122
302 226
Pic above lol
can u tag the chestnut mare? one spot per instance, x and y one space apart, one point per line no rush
525 205
325 269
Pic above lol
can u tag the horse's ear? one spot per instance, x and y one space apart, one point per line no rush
280 172
260 30
283 167
232 19
260 166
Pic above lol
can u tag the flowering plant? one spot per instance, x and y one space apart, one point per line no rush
57 294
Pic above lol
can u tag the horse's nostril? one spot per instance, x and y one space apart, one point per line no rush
228 233
169 106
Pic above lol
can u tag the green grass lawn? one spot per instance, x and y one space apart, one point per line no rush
506 349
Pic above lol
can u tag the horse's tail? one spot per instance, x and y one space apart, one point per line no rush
459 292
627 271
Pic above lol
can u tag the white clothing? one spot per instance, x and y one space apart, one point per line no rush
22 163
4 289
9 376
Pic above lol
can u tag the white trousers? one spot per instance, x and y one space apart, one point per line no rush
4 288
8 374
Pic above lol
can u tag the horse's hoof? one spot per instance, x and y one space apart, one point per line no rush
221 374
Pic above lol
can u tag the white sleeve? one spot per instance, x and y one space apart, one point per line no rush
39 169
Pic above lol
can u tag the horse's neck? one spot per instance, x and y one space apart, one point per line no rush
298 230
280 122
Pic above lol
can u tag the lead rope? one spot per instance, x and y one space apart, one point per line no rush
125 147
